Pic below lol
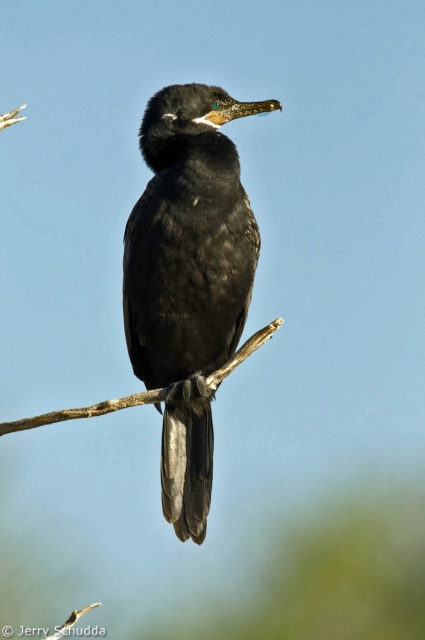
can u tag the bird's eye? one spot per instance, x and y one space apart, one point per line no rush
216 106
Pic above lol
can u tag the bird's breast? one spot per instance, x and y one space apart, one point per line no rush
191 271
204 248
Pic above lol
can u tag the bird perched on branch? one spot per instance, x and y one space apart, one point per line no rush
191 250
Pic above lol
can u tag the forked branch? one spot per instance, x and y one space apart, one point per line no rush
8 119
73 618
146 397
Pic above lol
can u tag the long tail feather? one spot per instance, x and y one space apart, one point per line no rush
173 463
187 469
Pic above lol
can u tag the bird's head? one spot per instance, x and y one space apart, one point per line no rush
188 109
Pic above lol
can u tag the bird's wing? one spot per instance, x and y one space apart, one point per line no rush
138 210
253 235
132 234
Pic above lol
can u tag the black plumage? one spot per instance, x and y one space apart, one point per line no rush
191 250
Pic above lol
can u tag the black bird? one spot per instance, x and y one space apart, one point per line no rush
191 250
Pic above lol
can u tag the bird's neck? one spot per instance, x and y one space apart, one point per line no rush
209 149
208 168
212 153
163 153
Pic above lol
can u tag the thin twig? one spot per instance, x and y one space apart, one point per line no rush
8 119
145 397
73 618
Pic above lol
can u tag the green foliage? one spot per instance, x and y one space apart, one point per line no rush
353 573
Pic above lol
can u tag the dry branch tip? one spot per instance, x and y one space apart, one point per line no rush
73 618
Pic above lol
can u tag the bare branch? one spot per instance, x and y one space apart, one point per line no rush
8 119
255 342
146 397
73 618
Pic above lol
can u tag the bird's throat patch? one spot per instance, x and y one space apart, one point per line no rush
210 119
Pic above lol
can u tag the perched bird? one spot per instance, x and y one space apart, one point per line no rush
191 250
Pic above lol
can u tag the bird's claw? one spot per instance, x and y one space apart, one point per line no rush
193 388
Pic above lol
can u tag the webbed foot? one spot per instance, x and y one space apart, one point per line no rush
193 388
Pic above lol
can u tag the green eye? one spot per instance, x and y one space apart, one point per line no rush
216 106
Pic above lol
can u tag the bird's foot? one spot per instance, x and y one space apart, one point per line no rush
193 388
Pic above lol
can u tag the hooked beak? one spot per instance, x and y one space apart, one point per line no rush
241 109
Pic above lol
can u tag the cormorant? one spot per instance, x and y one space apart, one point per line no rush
191 250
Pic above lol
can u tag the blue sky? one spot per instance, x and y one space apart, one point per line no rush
337 185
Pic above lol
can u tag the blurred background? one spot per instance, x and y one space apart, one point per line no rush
317 526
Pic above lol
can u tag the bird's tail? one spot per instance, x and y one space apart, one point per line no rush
187 468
